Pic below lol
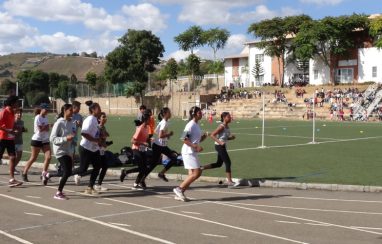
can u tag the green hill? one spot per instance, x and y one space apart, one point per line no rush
11 64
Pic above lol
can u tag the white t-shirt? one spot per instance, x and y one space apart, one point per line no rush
90 127
40 135
162 126
193 132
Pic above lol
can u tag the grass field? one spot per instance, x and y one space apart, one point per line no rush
346 153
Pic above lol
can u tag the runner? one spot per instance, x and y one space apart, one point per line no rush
7 136
104 164
192 136
62 136
40 141
221 136
139 147
77 120
160 144
19 127
89 148
151 127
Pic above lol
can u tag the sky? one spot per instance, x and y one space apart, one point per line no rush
67 26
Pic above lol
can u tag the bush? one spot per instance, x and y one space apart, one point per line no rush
37 98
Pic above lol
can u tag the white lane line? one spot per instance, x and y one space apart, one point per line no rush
187 212
34 214
34 197
317 224
297 218
368 228
208 221
291 197
88 219
119 224
163 197
287 222
288 136
44 225
102 203
308 209
15 237
213 235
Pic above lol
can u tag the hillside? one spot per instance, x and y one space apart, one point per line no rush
11 64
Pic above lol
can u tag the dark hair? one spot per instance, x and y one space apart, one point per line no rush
162 112
149 111
223 115
142 107
76 104
92 106
145 117
64 107
11 100
20 110
37 111
193 111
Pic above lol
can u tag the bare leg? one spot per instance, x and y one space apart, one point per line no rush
32 159
47 157
193 174
12 166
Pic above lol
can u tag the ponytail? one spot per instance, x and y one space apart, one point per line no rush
193 111
92 106
162 112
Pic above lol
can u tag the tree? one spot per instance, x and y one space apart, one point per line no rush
216 39
193 67
328 37
275 34
73 79
171 70
7 87
190 39
376 31
138 53
65 91
91 78
257 71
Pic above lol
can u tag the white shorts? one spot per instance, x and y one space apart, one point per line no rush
19 147
191 161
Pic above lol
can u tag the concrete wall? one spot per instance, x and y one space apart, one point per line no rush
369 57
323 72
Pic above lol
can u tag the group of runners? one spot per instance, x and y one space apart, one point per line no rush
63 135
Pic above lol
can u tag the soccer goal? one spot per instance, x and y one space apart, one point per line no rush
4 97
186 106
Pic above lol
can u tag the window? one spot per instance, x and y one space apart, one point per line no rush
259 57
374 71
345 75
315 74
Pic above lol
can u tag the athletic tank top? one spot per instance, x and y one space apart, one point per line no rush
223 135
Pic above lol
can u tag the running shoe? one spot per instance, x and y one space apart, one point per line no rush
100 188
91 191
123 175
143 185
162 177
77 179
179 194
60 196
233 185
25 177
14 183
45 178
137 187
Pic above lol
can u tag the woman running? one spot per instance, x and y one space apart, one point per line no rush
192 136
62 136
40 141
221 136
102 148
160 144
151 127
139 147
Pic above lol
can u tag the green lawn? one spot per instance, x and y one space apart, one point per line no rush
349 153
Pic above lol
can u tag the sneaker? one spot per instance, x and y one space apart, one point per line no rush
45 178
137 187
16 172
91 191
77 179
14 182
25 177
143 185
233 185
123 175
179 194
162 177
100 188
60 196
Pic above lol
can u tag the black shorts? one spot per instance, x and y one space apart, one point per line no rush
9 145
39 144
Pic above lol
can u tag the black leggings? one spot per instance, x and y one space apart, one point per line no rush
104 168
140 160
157 152
66 164
222 157
86 158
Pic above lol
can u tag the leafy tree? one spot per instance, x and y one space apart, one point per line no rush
193 67
91 78
274 37
138 53
329 36
376 31
171 70
190 39
257 71
7 87
65 91
73 79
215 38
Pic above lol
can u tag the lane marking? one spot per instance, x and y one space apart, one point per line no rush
208 221
88 219
102 203
308 209
35 197
34 214
15 237
119 224
186 212
317 224
287 222
297 218
44 225
368 228
163 197
213 235
288 136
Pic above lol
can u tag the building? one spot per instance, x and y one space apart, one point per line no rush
253 68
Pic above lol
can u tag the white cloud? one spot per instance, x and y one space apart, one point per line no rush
322 2
180 54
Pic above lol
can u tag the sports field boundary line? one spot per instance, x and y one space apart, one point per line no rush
246 182
16 238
